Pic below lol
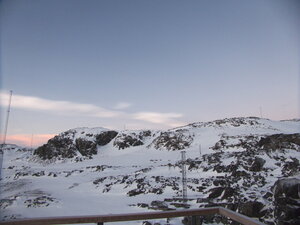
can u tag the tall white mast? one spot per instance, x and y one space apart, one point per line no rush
7 118
184 181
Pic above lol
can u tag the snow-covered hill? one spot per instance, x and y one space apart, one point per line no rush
232 163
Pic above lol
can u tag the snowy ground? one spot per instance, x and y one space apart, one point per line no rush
31 187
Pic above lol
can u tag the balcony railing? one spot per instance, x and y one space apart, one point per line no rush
101 219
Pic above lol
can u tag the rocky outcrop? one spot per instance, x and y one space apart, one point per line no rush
85 147
105 137
74 142
287 201
280 141
57 147
175 140
229 122
131 139
123 141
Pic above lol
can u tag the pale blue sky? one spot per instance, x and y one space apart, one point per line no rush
147 64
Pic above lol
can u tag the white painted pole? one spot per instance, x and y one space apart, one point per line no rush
7 118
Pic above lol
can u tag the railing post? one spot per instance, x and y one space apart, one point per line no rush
194 220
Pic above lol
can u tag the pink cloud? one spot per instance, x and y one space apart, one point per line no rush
25 139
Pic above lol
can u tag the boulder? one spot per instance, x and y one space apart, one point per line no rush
287 201
286 187
257 165
251 209
216 192
160 205
135 192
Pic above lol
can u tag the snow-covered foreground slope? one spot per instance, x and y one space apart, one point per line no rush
231 162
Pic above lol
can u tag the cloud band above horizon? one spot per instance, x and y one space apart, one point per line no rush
89 110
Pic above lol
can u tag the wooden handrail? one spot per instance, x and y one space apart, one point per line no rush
238 217
134 216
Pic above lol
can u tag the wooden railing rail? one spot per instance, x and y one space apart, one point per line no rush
100 219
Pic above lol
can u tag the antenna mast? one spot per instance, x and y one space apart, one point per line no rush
7 118
184 181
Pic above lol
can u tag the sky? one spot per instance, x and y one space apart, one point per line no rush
140 64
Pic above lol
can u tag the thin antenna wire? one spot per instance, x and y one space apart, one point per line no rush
7 118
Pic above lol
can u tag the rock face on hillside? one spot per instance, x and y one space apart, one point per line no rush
230 122
287 201
81 142
280 141
132 139
73 143
105 137
57 147
248 165
172 140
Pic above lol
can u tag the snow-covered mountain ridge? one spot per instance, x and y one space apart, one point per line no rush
237 163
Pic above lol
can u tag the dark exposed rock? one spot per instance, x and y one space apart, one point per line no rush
222 192
38 174
257 165
288 187
57 146
52 174
157 191
99 180
219 145
251 209
41 201
287 201
235 122
143 205
280 141
127 140
172 141
65 145
135 192
291 168
146 223
216 192
144 133
105 137
4 203
228 192
85 147
160 205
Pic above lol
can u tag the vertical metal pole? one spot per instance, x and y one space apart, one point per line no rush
183 170
194 219
7 117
